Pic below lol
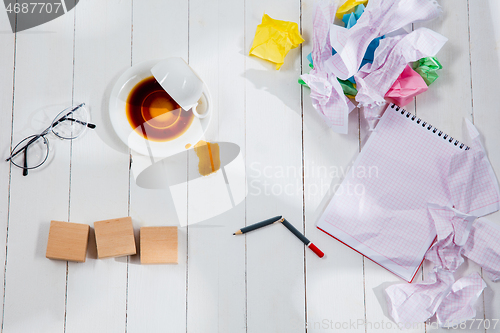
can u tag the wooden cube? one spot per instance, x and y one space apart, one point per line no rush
67 241
158 245
114 238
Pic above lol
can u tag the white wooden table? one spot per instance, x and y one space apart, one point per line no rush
263 282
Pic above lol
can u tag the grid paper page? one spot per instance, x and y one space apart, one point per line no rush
380 209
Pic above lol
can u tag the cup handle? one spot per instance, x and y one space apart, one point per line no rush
205 98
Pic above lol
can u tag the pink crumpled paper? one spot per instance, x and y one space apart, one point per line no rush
472 183
391 57
408 85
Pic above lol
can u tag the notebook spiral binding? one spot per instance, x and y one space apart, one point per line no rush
430 127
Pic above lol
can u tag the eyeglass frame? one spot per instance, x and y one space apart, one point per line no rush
35 137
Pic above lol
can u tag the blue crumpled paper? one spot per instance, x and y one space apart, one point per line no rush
350 20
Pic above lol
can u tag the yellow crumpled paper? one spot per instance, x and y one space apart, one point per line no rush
349 5
274 38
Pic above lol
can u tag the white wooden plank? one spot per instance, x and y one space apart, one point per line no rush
6 100
275 258
434 107
99 173
157 293
334 284
485 62
216 283
448 100
35 286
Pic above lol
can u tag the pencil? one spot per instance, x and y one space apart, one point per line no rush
303 238
258 225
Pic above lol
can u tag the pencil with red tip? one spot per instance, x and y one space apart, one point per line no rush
303 238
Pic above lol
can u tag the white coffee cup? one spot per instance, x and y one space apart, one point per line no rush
183 85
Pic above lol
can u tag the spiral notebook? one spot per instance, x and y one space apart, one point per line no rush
380 209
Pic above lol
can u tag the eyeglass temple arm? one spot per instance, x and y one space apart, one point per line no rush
89 125
25 168
55 123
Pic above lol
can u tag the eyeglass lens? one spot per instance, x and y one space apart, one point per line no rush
70 123
34 155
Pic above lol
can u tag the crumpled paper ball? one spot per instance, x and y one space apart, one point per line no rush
427 68
348 7
274 38
408 85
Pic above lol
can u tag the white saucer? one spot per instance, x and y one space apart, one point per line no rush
121 125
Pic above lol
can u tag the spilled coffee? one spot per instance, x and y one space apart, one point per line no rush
153 114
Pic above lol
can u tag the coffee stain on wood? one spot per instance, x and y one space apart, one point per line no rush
209 157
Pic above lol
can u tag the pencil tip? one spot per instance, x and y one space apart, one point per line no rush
234 233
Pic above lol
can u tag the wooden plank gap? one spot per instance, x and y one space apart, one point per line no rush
187 216
70 166
130 165
187 179
10 174
128 257
245 154
304 229
470 68
131 33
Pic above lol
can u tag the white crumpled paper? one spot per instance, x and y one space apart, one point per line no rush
483 247
326 93
452 301
415 303
381 17
458 234
458 306
472 184
391 57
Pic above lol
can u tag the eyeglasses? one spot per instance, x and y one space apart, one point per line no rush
33 151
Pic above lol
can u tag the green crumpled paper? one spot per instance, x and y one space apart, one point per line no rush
427 68
303 83
347 86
